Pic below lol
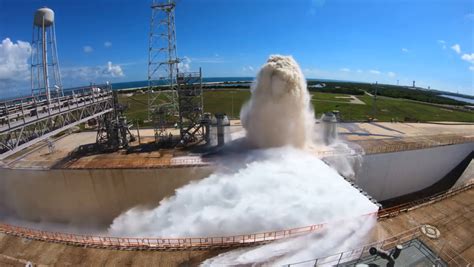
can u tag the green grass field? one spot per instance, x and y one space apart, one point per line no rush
230 102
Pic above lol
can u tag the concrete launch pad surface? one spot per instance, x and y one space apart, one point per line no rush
453 216
387 130
372 137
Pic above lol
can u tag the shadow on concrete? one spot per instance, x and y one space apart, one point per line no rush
442 185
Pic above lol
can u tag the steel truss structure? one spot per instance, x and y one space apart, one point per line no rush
26 121
162 67
113 131
190 100
174 98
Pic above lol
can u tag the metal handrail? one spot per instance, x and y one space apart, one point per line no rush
387 148
392 211
186 242
160 243
445 252
156 243
31 107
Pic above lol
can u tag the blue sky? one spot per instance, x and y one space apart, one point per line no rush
430 41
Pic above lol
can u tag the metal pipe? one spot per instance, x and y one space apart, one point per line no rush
45 64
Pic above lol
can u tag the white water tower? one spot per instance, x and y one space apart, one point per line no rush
45 76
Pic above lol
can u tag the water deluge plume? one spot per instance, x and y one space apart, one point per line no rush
279 112
282 184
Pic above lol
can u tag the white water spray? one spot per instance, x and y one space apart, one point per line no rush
279 112
284 188
281 185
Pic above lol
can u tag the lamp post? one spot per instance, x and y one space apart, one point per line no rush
232 106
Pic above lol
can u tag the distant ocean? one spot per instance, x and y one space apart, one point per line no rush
135 84
468 100
16 93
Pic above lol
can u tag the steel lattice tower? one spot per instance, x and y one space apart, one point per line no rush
45 75
192 124
162 67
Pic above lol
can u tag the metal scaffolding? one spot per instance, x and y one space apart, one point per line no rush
26 121
190 98
174 98
162 68
113 130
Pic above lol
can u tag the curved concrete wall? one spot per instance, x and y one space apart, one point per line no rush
467 176
92 197
97 196
390 175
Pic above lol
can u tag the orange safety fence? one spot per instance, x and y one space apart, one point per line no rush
157 243
186 243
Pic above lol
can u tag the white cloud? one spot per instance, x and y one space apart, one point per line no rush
468 57
404 50
371 76
107 44
375 72
442 43
184 64
76 75
248 69
113 70
87 49
345 69
208 60
14 64
456 48
471 68
315 4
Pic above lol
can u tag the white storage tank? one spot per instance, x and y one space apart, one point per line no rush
329 127
45 14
